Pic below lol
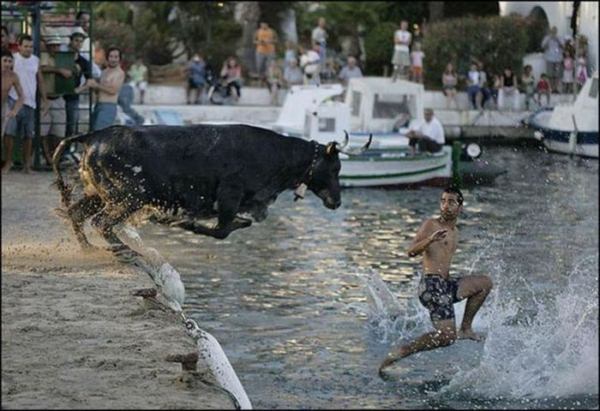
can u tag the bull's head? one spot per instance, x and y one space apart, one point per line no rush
325 179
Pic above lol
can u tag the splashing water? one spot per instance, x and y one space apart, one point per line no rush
552 352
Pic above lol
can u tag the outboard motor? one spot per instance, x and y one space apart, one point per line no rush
470 152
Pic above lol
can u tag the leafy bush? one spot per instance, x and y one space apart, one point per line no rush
496 41
379 45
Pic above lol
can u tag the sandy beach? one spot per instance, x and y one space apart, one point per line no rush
73 336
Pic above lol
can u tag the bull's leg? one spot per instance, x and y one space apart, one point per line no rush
106 220
229 203
78 213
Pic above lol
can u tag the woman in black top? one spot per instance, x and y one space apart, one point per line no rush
508 84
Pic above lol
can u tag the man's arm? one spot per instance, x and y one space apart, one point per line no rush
424 238
42 88
20 96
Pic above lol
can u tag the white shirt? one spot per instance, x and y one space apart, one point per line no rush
417 58
404 37
26 69
434 130
310 62
474 78
319 35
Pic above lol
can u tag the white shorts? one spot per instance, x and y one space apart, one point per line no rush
54 122
141 85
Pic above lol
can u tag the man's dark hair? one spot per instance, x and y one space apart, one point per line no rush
23 37
454 190
6 53
114 48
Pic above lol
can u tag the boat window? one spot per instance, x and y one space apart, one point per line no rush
327 124
394 105
594 89
355 103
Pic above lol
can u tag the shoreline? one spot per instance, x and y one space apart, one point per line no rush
73 336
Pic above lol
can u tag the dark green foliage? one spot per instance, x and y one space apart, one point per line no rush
380 47
496 41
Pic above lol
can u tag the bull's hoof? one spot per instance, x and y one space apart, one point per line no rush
145 292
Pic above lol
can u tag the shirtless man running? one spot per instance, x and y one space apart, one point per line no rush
9 80
437 240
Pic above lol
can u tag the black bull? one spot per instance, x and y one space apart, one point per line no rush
199 171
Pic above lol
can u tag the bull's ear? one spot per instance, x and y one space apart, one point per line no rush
331 148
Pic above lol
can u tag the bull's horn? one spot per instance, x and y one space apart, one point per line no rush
360 150
345 143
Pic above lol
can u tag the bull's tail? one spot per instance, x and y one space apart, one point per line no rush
65 189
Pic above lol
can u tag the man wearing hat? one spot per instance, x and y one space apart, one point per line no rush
83 72
54 120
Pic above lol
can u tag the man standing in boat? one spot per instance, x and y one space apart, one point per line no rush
437 240
427 136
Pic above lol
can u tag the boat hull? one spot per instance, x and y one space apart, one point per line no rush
376 168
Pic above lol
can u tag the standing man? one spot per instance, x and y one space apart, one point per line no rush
428 136
52 128
319 36
9 80
265 39
107 90
401 58
437 240
27 67
553 54
83 72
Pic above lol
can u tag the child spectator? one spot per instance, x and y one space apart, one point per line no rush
528 84
508 82
543 87
473 90
581 73
449 81
138 73
274 80
416 63
292 74
568 68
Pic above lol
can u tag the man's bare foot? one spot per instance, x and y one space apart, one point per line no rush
6 168
469 335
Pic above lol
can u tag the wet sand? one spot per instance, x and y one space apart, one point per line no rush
72 334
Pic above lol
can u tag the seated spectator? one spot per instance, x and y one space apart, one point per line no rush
484 86
310 65
416 63
543 87
292 74
290 54
508 88
231 74
473 90
449 81
427 136
138 73
274 80
351 70
495 89
528 85
196 78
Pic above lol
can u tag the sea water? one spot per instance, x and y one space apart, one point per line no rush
307 303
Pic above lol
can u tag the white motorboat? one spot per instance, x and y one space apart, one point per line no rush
572 128
373 105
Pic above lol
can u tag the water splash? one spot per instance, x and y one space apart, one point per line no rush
551 351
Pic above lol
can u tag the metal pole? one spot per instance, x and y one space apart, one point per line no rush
37 20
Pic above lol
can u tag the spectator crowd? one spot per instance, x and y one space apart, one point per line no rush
65 71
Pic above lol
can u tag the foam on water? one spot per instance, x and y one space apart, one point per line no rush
551 351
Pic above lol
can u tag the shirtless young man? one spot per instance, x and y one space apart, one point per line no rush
9 80
437 239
